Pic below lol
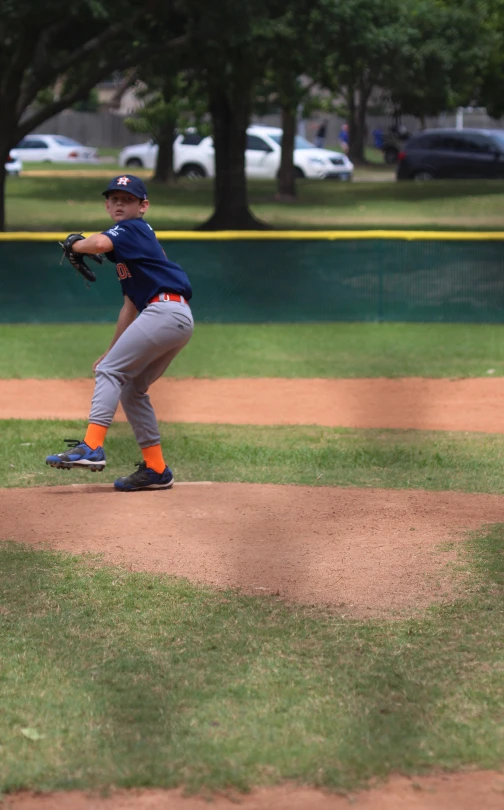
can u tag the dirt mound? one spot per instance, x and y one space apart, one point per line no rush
366 552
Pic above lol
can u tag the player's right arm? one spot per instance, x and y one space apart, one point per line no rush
127 315
96 243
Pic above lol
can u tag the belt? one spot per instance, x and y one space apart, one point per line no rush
168 297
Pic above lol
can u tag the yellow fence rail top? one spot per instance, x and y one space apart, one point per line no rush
201 236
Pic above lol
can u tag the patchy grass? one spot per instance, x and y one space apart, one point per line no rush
313 456
272 350
134 680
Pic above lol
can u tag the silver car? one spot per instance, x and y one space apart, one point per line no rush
53 149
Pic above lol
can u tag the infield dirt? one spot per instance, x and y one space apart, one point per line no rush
413 403
362 552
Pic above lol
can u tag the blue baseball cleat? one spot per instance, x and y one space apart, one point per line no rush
145 478
78 455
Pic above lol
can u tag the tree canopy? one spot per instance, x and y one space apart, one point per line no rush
54 53
427 56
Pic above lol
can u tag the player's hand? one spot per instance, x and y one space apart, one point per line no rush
99 361
77 260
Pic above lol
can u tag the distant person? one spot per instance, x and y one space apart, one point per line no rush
321 135
377 138
344 138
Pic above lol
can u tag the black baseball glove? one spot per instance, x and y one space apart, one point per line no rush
77 260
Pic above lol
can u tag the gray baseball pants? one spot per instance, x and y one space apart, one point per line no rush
140 356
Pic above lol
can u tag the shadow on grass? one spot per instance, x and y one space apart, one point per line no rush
199 193
137 680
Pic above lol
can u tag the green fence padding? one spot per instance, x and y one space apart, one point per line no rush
258 281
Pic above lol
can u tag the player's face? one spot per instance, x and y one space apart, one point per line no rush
121 205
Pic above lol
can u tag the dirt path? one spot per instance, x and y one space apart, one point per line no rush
419 403
483 790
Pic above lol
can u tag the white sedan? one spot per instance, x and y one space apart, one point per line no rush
193 156
53 149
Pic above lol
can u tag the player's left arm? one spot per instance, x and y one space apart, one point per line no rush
97 243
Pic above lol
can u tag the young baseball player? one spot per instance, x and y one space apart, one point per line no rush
154 324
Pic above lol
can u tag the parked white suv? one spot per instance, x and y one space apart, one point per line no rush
193 156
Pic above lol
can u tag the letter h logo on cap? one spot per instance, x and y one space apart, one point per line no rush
127 182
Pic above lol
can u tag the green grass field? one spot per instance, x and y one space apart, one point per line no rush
272 350
133 680
311 456
66 203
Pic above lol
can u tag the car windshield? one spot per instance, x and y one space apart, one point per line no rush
499 137
66 141
299 141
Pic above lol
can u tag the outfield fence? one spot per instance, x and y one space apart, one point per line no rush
277 276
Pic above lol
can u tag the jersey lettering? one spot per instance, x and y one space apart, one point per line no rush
122 271
142 268
115 230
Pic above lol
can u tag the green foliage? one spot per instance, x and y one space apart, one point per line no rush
443 45
169 102
492 72
37 62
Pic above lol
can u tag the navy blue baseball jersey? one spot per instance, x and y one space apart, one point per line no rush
141 263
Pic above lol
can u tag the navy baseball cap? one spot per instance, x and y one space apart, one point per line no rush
127 182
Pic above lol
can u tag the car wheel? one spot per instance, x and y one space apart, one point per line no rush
298 173
423 175
192 171
134 162
390 155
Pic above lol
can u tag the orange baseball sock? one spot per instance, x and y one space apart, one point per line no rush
153 457
95 436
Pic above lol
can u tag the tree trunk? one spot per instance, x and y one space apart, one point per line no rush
230 121
357 124
286 188
7 142
164 165
2 196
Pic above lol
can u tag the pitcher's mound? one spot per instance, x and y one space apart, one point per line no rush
365 552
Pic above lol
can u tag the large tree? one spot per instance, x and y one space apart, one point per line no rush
53 53
230 44
442 56
298 61
172 101
489 91
364 36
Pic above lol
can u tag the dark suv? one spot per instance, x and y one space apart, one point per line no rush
453 153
